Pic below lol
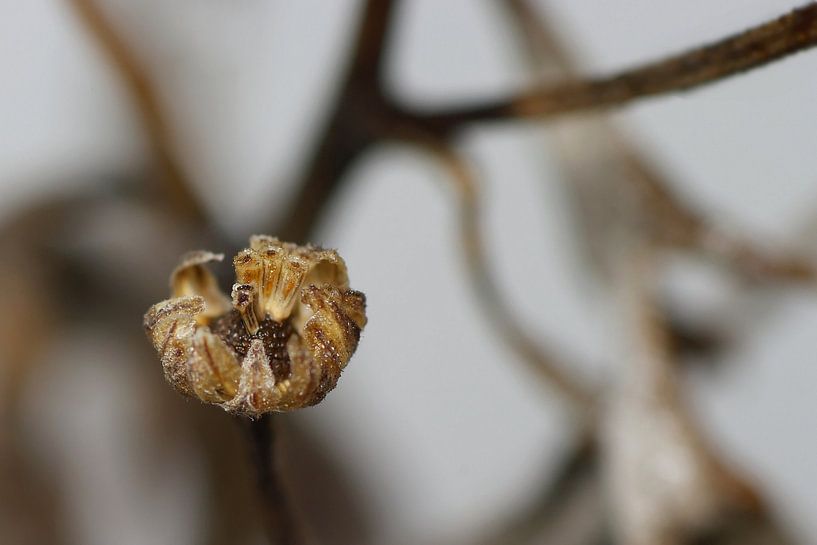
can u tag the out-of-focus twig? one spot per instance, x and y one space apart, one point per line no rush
31 495
747 50
357 115
232 494
143 94
547 364
668 485
711 503
594 154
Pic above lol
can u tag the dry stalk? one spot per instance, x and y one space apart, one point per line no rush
741 52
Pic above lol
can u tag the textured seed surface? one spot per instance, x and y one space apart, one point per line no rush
274 335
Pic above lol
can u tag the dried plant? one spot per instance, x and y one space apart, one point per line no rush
282 344
642 470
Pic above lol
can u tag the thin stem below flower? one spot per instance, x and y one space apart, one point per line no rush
277 515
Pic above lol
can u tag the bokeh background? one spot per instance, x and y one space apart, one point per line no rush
439 431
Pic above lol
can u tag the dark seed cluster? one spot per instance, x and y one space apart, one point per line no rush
230 328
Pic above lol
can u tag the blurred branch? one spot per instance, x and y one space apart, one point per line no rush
649 427
671 223
33 501
32 498
352 125
675 222
370 49
364 115
550 367
741 52
144 96
686 229
679 223
232 515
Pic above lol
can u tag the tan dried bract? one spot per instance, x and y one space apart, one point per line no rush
278 343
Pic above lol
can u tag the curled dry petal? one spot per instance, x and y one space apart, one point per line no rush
171 325
191 277
279 343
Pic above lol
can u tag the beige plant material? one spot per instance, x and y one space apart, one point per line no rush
280 343
667 484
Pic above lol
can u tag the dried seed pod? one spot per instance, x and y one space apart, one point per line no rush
279 343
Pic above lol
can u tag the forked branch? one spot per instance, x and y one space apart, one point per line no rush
681 225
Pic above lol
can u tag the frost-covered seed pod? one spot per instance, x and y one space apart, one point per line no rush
279 343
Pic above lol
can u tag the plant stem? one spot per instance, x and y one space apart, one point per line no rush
276 513
738 53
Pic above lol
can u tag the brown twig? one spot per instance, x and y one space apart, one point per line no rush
364 114
352 126
546 364
144 96
649 422
677 224
278 519
747 50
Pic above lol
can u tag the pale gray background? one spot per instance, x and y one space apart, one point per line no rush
246 83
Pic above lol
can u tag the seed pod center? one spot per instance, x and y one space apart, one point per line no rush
274 335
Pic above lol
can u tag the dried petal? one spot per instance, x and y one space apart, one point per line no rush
170 325
303 386
333 331
255 392
191 277
214 371
330 337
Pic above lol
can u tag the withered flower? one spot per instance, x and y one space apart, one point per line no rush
279 343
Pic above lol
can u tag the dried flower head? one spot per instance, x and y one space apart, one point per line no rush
279 343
